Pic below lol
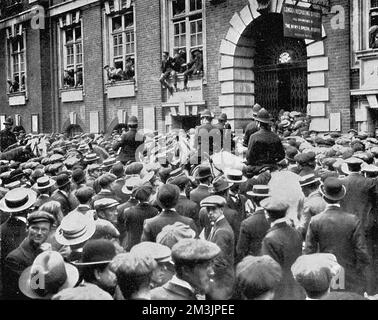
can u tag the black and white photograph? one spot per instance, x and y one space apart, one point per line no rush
213 151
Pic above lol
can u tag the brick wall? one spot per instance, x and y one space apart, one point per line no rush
338 53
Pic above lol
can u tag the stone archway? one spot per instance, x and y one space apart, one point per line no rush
237 78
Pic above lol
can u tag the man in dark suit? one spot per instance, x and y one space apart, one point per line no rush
119 171
254 228
63 194
340 233
265 146
252 127
39 226
185 206
222 235
193 259
129 142
134 217
204 177
284 244
207 137
167 198
105 182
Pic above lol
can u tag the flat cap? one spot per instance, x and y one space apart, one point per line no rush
173 233
305 157
134 168
213 201
159 252
105 203
194 250
131 263
274 204
40 216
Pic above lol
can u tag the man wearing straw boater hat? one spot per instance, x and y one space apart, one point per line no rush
254 228
44 187
313 202
339 232
39 225
99 281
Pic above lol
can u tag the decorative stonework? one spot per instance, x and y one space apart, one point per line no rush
237 78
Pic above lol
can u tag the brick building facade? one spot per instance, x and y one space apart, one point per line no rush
63 85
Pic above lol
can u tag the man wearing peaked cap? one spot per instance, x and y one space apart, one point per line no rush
39 225
106 208
171 234
167 198
164 270
129 142
223 236
193 265
284 244
99 279
342 234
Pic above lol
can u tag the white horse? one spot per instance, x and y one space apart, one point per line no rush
38 146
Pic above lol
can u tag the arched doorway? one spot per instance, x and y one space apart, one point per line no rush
280 66
73 130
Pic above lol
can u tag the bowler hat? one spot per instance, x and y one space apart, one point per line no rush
17 200
133 120
167 196
194 251
219 184
333 189
57 275
203 172
263 116
259 191
75 228
99 251
62 180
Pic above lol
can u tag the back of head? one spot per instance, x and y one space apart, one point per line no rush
257 275
167 196
84 194
106 180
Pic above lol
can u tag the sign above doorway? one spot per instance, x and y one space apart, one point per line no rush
302 23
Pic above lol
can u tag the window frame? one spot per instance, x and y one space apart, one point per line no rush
10 56
186 16
63 45
370 10
111 58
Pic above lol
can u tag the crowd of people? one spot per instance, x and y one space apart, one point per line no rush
89 220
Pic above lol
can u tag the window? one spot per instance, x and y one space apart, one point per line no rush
373 31
72 56
186 27
16 59
122 46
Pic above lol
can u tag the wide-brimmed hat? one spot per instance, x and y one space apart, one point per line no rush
74 229
235 176
333 189
43 183
259 191
220 184
57 275
263 116
17 200
98 251
308 180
